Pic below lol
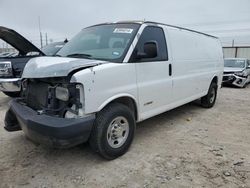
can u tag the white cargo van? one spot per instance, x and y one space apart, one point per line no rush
110 76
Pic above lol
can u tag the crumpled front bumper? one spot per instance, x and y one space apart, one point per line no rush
234 80
53 131
10 84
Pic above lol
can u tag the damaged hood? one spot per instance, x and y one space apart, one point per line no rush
18 41
44 67
233 69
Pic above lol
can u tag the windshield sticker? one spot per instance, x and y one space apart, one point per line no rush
240 61
123 30
116 53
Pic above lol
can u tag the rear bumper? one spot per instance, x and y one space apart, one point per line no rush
48 130
10 84
234 80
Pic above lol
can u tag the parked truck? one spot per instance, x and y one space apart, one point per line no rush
12 64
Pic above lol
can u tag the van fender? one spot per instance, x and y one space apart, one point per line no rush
211 79
117 96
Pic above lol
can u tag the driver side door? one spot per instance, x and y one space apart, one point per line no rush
154 80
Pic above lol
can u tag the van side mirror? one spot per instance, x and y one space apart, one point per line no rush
248 67
149 50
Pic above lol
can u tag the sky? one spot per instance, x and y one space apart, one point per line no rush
60 19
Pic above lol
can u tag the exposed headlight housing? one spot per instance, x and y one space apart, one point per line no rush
62 93
5 68
78 109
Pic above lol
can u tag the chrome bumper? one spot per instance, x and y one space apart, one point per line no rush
10 84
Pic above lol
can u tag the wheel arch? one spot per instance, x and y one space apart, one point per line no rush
126 99
215 79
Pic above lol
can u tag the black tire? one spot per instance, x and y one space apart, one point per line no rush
99 136
12 94
208 101
10 122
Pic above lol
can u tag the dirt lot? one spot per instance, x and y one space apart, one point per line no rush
186 147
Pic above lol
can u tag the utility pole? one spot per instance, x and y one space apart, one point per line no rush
46 39
41 37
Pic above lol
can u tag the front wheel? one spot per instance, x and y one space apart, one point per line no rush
113 131
209 100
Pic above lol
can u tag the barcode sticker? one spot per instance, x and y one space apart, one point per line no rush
123 30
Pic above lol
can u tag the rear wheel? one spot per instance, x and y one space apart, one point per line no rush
12 94
209 100
113 131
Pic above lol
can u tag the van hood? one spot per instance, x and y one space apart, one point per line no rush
18 41
45 67
233 69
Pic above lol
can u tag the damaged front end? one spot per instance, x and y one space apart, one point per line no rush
238 79
51 110
54 96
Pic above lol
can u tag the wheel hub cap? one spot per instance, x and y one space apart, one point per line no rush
117 133
212 97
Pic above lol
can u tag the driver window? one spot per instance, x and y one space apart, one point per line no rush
151 33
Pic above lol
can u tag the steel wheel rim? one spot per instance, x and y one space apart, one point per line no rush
212 97
117 132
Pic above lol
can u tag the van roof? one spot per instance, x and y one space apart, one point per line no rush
157 23
236 58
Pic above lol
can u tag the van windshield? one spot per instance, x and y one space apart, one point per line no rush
104 42
235 63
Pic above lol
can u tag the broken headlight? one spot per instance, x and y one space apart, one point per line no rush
5 68
241 74
62 93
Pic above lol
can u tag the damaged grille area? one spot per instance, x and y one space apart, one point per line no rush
37 95
40 95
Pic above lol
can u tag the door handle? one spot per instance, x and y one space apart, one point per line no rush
170 69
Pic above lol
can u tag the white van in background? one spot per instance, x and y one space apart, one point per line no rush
109 77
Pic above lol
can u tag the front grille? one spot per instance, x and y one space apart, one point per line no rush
225 78
228 78
39 94
36 95
228 72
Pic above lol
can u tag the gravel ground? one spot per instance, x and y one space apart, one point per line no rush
186 147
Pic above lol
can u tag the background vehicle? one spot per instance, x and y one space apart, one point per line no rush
12 64
11 67
111 76
52 48
236 72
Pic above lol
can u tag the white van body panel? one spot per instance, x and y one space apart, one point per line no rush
104 83
195 58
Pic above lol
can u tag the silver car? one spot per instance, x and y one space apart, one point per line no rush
236 72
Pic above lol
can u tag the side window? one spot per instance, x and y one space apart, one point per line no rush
151 34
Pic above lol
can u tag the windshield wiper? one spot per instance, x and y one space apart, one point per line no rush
80 55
